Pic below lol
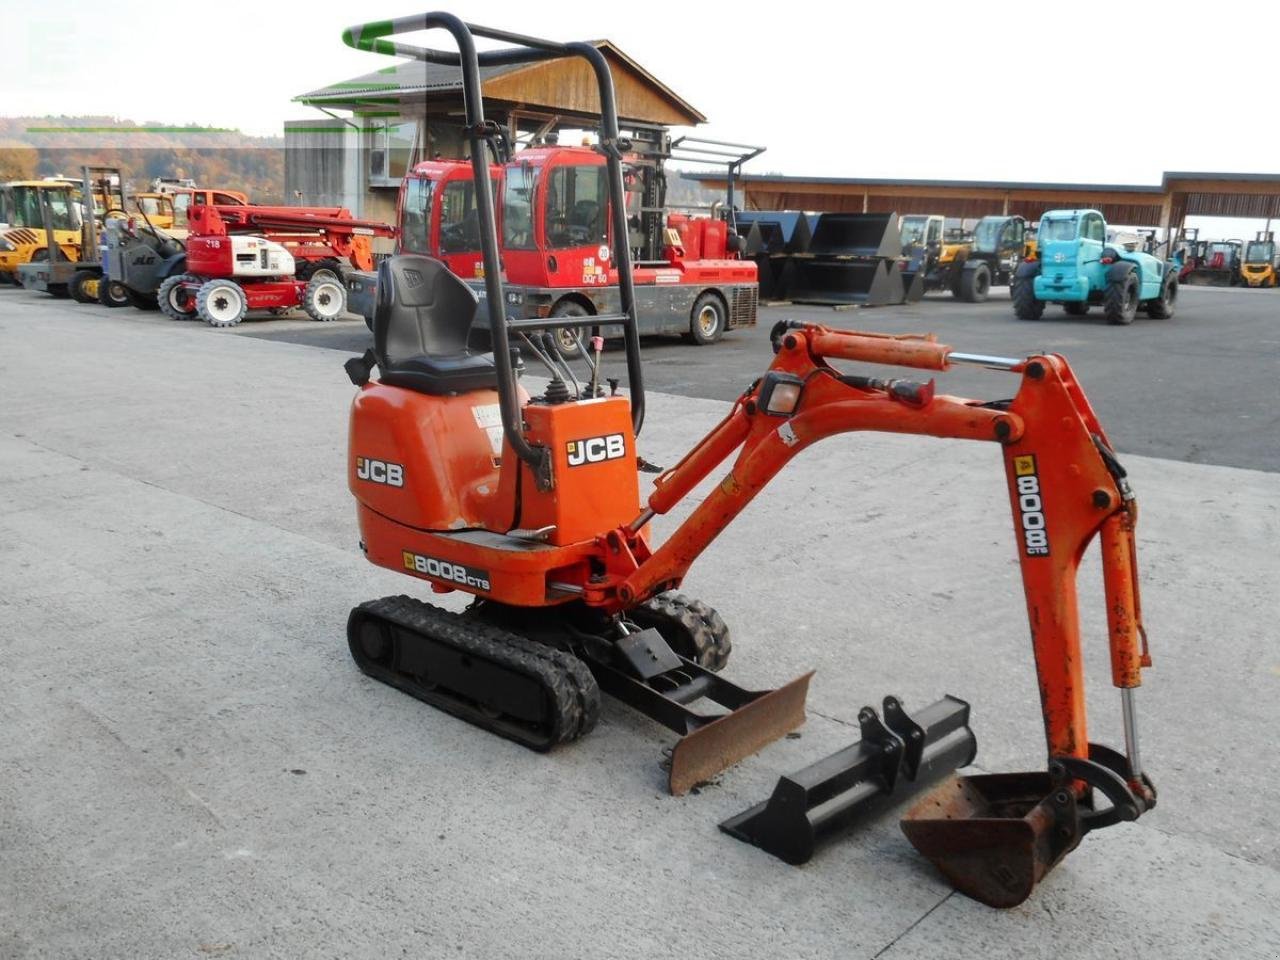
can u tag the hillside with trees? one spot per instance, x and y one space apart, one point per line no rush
48 146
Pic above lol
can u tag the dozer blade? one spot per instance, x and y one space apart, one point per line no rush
894 759
644 672
996 836
700 755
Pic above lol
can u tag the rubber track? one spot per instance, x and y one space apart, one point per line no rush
705 631
568 683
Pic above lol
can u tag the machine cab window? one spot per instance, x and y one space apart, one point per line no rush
1093 228
1057 231
459 220
517 206
415 216
576 204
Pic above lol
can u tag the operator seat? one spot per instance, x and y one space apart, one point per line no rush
421 320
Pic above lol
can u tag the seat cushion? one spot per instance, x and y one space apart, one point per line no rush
440 375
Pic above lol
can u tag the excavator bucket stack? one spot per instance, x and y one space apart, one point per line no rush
871 283
851 259
856 235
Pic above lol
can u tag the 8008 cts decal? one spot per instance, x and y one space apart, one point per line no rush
1035 538
596 449
446 570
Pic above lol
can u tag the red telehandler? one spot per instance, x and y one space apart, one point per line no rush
242 258
532 506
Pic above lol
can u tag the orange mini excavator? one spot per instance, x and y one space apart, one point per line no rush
532 505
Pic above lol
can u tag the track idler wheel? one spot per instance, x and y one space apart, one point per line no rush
994 837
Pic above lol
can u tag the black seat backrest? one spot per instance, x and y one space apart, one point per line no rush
421 310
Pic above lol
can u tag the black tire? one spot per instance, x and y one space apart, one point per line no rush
975 284
84 286
691 628
707 319
221 302
58 291
325 298
306 269
1163 306
113 293
368 322
564 337
176 301
40 256
1076 308
141 301
1025 304
1120 303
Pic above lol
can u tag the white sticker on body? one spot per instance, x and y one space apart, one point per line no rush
489 419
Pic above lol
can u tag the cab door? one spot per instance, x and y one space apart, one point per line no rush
574 227
1093 237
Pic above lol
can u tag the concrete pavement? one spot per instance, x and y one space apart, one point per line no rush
193 767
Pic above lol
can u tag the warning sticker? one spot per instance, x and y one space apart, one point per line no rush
489 419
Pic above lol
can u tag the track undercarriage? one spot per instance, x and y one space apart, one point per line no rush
535 676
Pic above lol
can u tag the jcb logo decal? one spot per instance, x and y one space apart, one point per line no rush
452 573
1035 539
596 449
380 471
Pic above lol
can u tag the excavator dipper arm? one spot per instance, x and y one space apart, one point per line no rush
1066 487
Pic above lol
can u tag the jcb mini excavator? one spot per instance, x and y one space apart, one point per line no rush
532 506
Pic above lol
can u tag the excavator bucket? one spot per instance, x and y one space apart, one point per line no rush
872 283
895 758
994 837
857 235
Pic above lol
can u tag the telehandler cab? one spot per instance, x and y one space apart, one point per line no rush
532 506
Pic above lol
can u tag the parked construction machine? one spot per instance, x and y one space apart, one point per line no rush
555 235
77 269
1076 267
1259 266
968 266
531 505
1217 266
242 258
25 235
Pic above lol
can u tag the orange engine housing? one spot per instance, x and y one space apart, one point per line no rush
438 487
429 462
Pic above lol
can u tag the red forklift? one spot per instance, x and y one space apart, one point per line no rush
555 242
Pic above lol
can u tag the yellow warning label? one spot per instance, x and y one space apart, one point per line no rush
408 559
1024 466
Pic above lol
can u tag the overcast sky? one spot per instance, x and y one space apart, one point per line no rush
1117 93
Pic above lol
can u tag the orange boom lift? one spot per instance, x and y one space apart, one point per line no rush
532 505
